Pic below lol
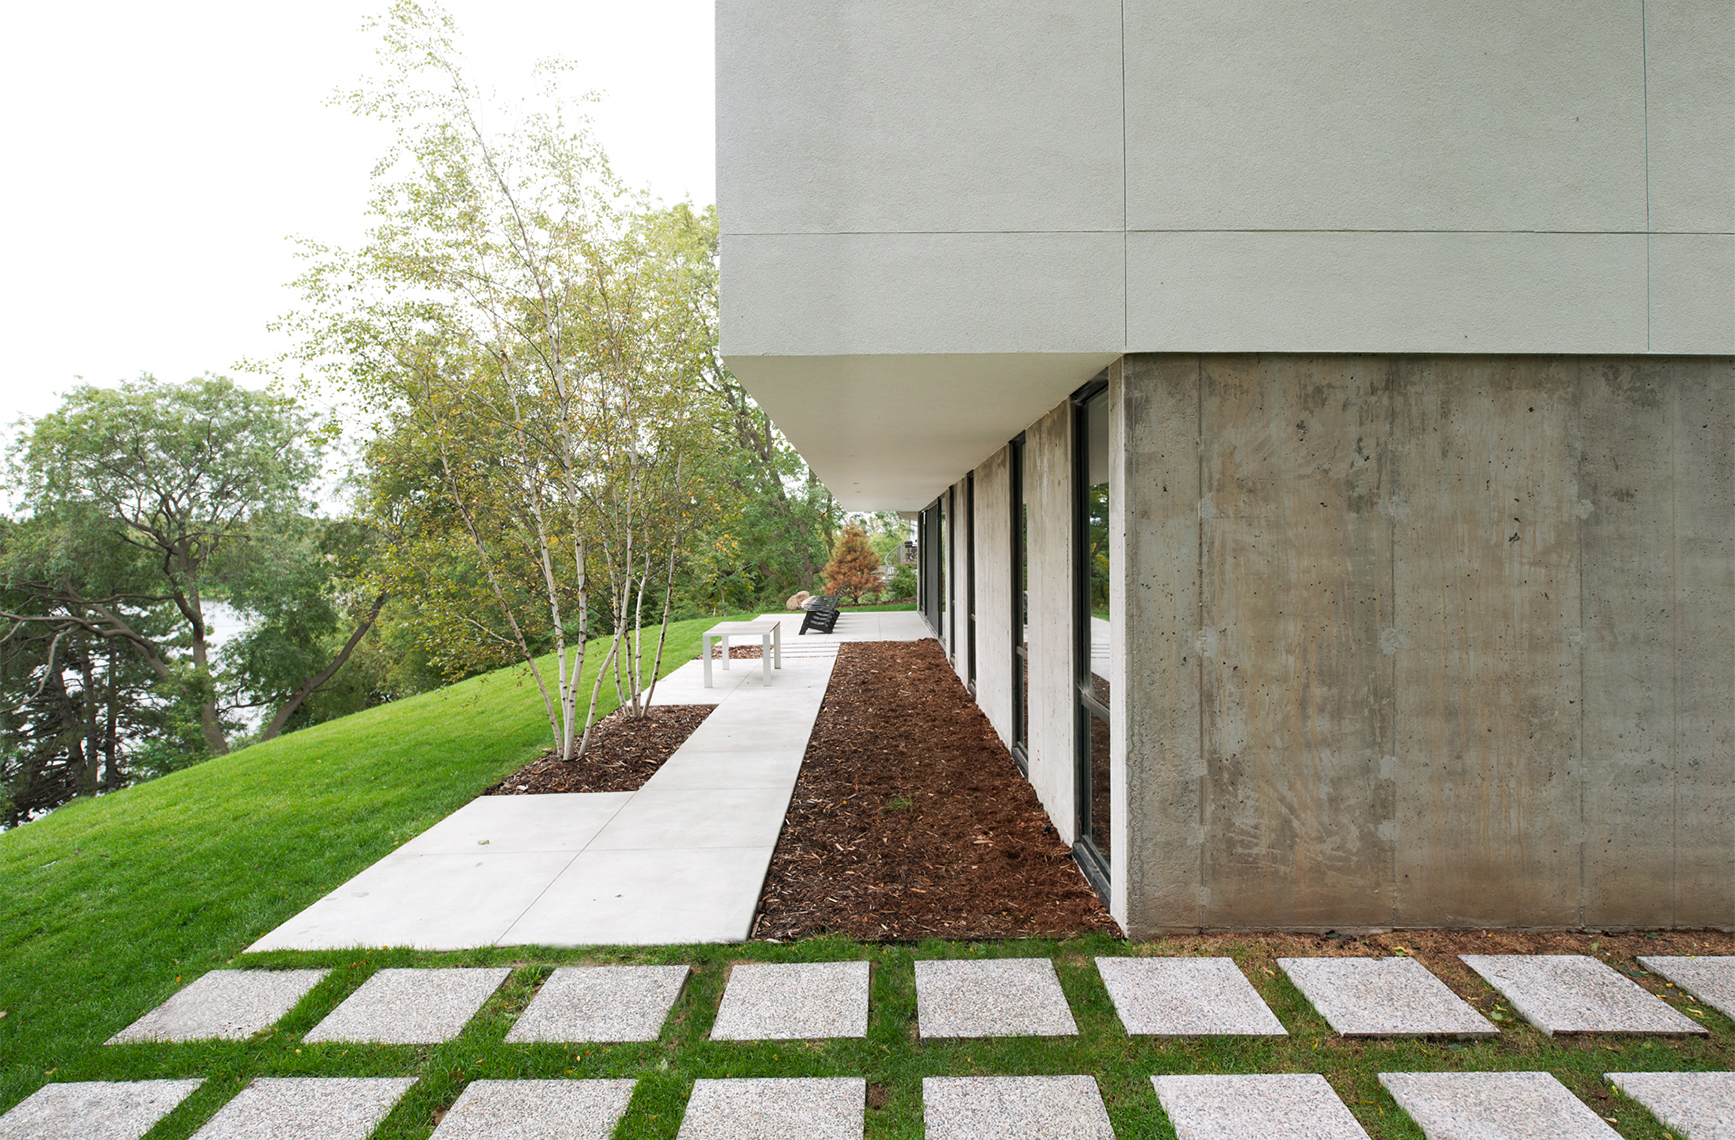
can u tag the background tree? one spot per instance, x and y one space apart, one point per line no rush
140 501
854 568
175 471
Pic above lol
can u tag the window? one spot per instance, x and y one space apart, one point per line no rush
970 579
1020 608
1091 576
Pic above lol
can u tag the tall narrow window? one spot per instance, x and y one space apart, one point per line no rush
928 565
970 579
942 550
1091 576
1020 608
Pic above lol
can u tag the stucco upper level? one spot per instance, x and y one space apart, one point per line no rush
1092 175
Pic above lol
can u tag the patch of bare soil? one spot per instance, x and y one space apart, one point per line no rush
623 753
910 820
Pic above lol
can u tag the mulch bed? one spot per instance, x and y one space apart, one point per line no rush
910 820
623 753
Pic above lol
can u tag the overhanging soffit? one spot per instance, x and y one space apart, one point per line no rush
891 432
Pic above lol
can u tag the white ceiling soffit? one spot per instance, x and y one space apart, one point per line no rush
891 432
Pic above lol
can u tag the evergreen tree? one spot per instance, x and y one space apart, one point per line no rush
854 568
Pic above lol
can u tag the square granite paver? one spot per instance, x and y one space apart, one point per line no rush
1573 993
1384 997
1701 1105
536 1110
601 1003
1256 1106
1014 1108
306 1108
94 1110
785 1001
996 997
411 1007
1186 997
776 1108
228 1004
1494 1106
1710 979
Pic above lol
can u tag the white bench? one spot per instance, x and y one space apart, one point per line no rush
770 634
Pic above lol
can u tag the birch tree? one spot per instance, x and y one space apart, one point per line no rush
515 319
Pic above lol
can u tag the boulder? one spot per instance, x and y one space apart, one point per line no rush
795 603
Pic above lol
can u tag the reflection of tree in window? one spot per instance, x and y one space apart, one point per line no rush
1098 550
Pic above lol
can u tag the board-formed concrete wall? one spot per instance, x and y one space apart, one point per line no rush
994 573
1427 641
1048 502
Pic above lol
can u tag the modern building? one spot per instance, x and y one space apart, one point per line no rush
1322 419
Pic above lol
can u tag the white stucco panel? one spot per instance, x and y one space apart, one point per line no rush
1690 64
905 115
1386 292
1693 293
843 294
1369 115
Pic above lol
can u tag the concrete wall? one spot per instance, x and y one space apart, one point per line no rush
1048 499
1429 641
993 538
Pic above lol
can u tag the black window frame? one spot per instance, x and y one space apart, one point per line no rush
1020 609
1091 859
970 582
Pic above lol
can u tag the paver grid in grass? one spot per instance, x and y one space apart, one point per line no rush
1186 997
995 997
1494 1106
536 1110
1574 993
1256 1106
1700 1105
1711 979
411 1006
1014 1108
601 1003
306 1108
762 1108
769 1001
1384 997
230 1005
94 1110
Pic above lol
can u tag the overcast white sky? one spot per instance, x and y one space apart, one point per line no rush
158 157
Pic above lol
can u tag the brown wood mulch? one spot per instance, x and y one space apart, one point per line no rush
910 820
623 753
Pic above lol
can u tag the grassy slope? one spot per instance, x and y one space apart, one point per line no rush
105 902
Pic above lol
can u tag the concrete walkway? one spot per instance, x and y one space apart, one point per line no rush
680 860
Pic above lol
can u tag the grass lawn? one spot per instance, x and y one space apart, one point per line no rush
105 902
108 907
888 607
